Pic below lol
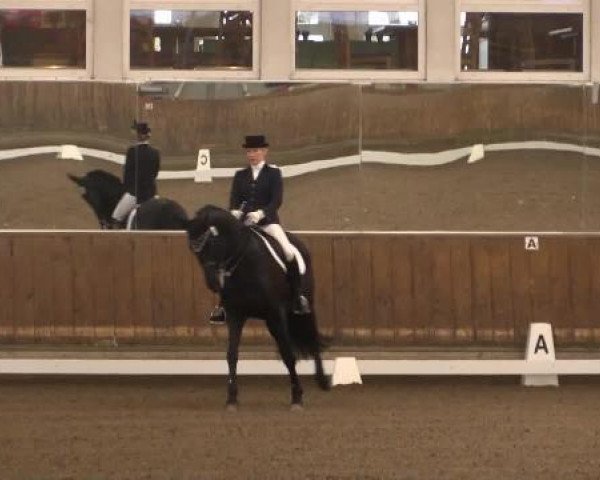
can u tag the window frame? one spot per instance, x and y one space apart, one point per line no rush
138 74
524 6
362 74
45 73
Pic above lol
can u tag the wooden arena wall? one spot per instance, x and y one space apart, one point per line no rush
101 113
372 289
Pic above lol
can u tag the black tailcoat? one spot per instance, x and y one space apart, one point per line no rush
142 164
265 193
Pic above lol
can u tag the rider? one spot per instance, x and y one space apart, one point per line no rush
142 164
256 195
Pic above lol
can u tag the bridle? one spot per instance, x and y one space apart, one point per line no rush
225 268
199 243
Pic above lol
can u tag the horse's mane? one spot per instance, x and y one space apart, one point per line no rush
211 215
103 180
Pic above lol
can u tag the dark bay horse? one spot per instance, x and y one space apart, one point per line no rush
102 191
239 266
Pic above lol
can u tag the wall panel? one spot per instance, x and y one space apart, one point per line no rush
377 289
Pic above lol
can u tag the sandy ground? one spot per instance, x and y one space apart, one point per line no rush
518 191
389 428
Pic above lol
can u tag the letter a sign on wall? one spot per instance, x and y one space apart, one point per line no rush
532 243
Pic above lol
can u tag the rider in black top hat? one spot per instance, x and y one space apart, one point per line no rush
142 163
256 195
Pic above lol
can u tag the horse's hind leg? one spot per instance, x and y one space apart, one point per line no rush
322 380
279 332
235 326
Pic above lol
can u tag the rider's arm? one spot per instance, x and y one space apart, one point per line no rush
156 165
235 197
129 171
276 199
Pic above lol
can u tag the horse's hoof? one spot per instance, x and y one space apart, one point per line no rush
231 407
297 407
324 383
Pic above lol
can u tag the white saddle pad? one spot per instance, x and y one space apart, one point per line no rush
279 260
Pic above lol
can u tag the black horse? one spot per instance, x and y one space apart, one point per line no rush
102 191
239 266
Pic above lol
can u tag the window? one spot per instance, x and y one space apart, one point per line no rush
38 39
344 40
174 40
537 39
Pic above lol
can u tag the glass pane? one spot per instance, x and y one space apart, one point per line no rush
515 42
357 40
42 38
184 39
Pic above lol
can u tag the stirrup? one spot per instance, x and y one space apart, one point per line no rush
301 306
217 316
117 225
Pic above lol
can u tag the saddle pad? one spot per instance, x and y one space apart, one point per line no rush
276 251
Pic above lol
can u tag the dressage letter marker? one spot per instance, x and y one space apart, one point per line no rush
203 167
532 243
540 349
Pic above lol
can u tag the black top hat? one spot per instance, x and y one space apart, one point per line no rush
141 128
255 141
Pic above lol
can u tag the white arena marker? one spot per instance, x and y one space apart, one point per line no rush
69 152
477 153
345 371
203 167
540 350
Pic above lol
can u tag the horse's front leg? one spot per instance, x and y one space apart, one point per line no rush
235 325
277 325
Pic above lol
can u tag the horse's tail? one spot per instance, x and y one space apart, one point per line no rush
305 336
303 328
308 342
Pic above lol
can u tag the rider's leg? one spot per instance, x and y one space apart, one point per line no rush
275 231
300 304
126 204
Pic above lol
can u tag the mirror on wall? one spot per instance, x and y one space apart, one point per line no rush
51 130
473 157
379 157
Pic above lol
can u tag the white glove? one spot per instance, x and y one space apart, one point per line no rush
253 218
237 213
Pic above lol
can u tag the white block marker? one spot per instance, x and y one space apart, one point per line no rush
477 153
345 371
69 152
540 348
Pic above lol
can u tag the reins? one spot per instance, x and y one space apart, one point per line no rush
198 245
230 264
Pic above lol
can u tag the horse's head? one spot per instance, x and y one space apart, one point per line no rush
216 237
214 233
102 191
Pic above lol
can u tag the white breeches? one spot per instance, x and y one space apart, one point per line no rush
275 231
124 207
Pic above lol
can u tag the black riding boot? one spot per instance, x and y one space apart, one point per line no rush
300 304
116 225
217 316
